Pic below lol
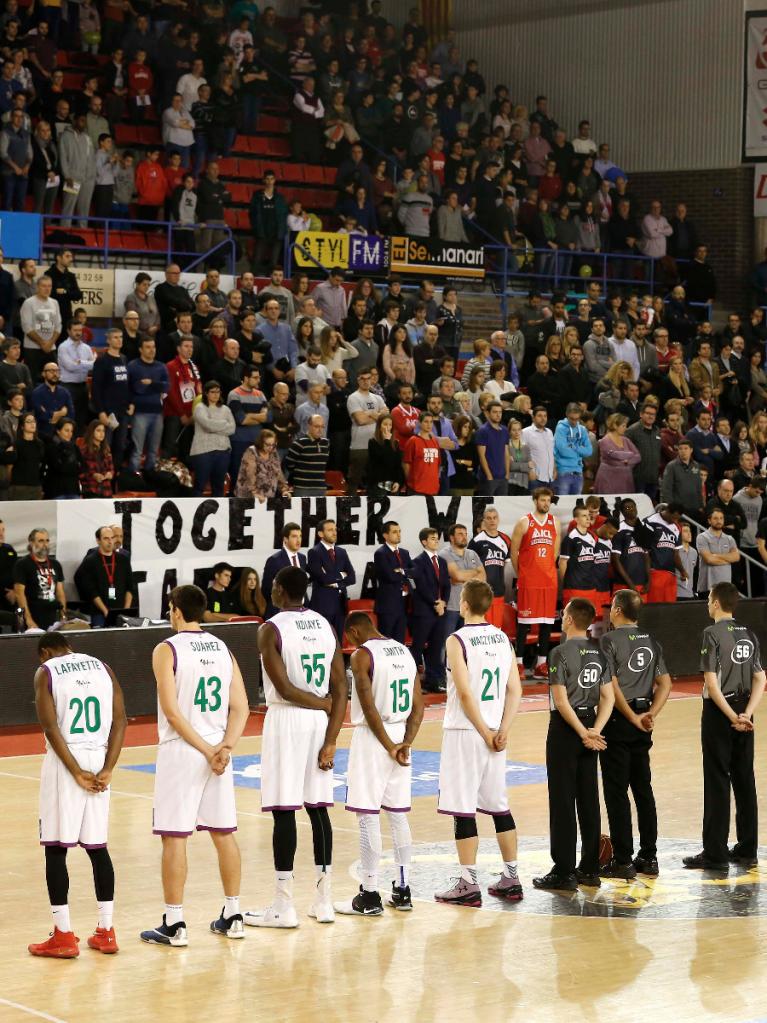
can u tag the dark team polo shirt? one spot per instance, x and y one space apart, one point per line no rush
493 552
603 551
635 659
632 555
665 542
578 548
580 666
732 651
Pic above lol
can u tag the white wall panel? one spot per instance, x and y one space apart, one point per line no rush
660 80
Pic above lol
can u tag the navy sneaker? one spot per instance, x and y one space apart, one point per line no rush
399 898
231 927
167 934
363 904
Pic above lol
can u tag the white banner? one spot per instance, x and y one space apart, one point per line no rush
760 190
170 539
755 79
124 281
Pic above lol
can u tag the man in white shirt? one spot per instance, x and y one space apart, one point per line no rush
178 129
76 360
583 143
189 83
623 348
655 230
41 323
540 440
365 409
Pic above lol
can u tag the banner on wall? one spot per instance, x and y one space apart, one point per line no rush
124 280
362 253
171 540
755 88
436 258
98 288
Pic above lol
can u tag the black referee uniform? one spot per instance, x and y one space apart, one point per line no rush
731 651
580 666
636 661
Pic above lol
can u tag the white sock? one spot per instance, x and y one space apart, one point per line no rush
371 847
231 906
540 661
173 914
510 868
402 842
61 918
520 662
106 913
469 874
320 871
284 885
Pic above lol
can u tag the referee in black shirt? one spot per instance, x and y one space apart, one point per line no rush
733 683
642 685
581 701
307 459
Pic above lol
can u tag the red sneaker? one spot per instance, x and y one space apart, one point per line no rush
104 940
60 945
541 671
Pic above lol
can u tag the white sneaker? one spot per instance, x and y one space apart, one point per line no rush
323 913
272 916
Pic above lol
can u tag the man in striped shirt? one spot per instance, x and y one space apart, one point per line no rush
307 460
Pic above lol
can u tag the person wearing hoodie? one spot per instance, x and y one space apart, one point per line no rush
598 351
571 446
78 168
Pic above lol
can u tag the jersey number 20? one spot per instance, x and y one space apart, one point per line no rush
88 709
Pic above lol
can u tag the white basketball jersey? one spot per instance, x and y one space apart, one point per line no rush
202 665
307 643
393 671
488 655
81 688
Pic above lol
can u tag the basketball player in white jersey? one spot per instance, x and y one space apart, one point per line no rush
202 710
483 694
80 707
387 710
305 688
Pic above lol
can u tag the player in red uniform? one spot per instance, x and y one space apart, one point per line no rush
534 551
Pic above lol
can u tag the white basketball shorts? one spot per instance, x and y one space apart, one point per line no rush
290 748
188 795
69 815
472 778
375 781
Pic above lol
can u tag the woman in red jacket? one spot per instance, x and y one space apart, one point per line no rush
151 185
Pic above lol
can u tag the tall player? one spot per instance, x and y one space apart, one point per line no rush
641 685
305 688
534 552
80 708
483 694
493 547
387 710
733 685
202 710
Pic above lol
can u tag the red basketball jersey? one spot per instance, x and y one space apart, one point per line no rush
537 565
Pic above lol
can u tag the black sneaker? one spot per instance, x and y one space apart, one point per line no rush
624 871
363 904
399 898
587 880
745 861
701 862
556 882
646 865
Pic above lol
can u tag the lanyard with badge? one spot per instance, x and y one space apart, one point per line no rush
111 571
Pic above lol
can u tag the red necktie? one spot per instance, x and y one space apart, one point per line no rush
397 556
332 553
436 564
295 561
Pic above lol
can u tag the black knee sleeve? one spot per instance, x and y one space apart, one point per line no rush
503 822
103 874
544 639
465 827
284 840
520 641
56 874
322 833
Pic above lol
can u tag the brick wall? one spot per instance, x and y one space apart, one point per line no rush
720 203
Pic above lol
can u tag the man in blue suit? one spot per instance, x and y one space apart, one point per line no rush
431 592
392 568
331 572
288 556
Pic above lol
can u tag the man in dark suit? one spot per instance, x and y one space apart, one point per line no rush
431 592
331 572
289 555
392 568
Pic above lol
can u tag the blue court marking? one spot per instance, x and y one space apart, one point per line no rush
247 772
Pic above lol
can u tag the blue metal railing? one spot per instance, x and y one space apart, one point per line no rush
107 228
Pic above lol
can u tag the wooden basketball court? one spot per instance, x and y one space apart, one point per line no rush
684 947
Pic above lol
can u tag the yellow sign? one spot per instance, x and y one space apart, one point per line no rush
323 247
98 288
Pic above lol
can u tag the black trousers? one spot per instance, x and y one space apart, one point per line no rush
573 786
626 765
728 760
393 625
429 642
